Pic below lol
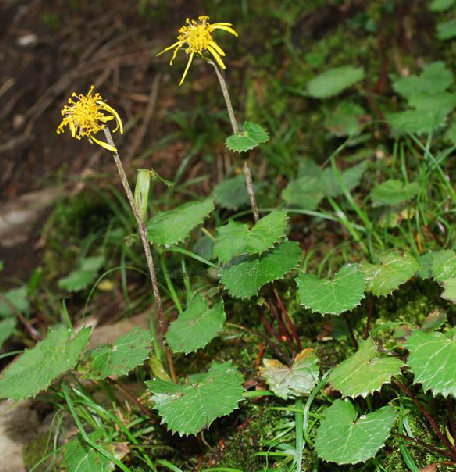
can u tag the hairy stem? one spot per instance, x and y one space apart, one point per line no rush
145 243
234 125
34 334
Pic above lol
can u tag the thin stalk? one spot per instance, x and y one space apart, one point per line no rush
450 407
288 319
350 330
418 442
283 330
369 317
34 334
146 245
234 125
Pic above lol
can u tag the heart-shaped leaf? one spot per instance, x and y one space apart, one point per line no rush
346 439
235 239
187 409
332 296
250 137
173 226
365 372
295 381
196 326
443 265
433 361
245 275
393 271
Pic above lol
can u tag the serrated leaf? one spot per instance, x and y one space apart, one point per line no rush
435 78
350 178
416 121
84 275
245 275
393 271
235 239
332 296
304 192
250 137
187 409
446 30
196 326
443 265
364 372
449 292
334 81
393 192
38 367
129 351
441 103
441 5
173 226
6 329
295 381
16 297
425 261
432 359
346 439
435 320
78 456
232 193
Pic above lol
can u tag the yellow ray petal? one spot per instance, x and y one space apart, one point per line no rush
190 59
217 58
174 54
217 48
169 47
225 28
106 107
103 144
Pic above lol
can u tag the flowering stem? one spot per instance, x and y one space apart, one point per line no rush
246 169
146 246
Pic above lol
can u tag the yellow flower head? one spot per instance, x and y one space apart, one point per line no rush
87 115
197 37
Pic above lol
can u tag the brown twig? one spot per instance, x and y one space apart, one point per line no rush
429 418
418 442
350 330
287 318
34 334
146 246
251 191
283 330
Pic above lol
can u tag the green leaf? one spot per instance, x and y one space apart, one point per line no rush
84 275
7 328
187 409
196 326
443 265
393 271
173 226
416 121
441 103
232 193
441 5
433 361
129 351
446 30
295 381
425 261
449 292
245 275
250 137
435 320
38 367
235 239
346 439
435 78
364 372
334 81
304 192
16 297
332 296
78 456
393 192
344 120
350 178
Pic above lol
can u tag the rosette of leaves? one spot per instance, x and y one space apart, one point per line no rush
171 227
345 438
295 381
393 270
364 372
245 275
35 370
432 359
248 138
335 296
196 326
187 409
235 239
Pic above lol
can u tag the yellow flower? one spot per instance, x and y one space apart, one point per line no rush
87 115
197 36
